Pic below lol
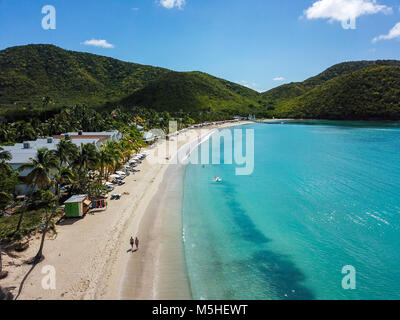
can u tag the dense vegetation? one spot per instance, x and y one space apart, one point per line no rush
45 77
368 94
83 169
36 75
195 91
363 90
8 179
296 89
41 80
89 119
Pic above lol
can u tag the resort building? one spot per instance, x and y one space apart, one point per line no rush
22 152
100 137
148 137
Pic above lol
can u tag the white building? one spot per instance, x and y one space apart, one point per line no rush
22 152
148 137
101 137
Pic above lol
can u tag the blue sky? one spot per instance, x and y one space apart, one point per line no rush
258 43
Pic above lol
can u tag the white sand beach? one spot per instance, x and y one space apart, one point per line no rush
91 255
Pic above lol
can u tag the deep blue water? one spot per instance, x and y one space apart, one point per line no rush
322 196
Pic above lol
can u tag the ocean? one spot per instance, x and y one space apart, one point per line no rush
323 195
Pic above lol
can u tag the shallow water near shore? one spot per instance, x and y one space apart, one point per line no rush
323 195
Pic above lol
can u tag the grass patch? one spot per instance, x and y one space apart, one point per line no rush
31 222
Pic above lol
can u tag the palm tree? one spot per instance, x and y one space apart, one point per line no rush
4 134
42 169
66 150
105 160
126 147
86 157
3 274
5 169
5 199
63 176
115 153
5 155
48 201
25 131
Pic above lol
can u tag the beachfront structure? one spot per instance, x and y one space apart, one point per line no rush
100 137
77 206
148 137
22 152
139 127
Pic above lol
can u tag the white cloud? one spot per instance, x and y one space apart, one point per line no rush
279 79
344 10
393 34
245 83
98 43
252 85
169 4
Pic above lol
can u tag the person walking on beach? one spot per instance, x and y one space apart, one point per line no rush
132 242
137 243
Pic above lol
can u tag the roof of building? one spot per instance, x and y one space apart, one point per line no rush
148 135
102 133
76 198
83 137
23 155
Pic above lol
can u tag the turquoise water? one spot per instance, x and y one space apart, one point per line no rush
322 196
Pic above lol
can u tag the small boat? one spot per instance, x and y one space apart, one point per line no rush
217 179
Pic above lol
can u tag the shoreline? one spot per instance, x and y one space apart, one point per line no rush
90 255
161 273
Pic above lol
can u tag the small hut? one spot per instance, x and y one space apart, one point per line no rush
77 206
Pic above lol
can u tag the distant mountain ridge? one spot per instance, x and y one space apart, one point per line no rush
46 76
366 94
361 90
296 89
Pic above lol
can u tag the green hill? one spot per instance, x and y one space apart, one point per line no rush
29 73
296 89
41 77
367 94
194 91
352 90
